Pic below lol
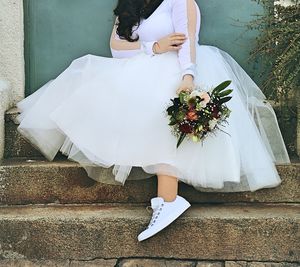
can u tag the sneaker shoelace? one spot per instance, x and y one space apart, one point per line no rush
155 213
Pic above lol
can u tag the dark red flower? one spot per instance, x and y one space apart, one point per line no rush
215 112
185 128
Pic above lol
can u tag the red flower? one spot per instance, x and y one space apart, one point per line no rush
185 128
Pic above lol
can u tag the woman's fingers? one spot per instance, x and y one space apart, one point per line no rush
177 42
178 37
177 34
182 89
185 88
179 90
174 48
172 42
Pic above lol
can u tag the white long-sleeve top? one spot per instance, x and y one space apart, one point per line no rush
180 16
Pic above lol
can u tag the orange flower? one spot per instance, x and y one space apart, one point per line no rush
192 115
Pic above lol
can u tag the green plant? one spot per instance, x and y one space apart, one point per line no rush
277 47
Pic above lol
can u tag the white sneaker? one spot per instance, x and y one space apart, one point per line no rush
163 214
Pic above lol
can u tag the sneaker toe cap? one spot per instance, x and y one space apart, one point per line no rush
143 235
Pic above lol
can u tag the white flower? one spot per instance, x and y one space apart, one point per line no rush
195 93
205 96
202 104
202 94
212 123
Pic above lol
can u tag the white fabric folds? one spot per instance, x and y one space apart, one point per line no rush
104 112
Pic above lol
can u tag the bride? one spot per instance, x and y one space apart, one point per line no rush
104 112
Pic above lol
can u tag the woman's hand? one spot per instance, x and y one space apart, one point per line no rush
187 84
171 42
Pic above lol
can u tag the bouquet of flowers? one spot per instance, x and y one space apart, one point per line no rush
198 113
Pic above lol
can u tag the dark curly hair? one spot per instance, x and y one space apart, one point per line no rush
129 14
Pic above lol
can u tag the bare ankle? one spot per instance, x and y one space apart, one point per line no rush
168 198
167 187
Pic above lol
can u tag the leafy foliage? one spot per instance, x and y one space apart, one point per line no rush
278 46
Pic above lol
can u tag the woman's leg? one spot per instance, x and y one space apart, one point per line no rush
167 187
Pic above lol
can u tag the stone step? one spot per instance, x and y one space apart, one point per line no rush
24 181
261 232
15 144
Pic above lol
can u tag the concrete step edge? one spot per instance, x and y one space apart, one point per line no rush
228 232
41 181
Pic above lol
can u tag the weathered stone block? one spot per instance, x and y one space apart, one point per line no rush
40 181
257 232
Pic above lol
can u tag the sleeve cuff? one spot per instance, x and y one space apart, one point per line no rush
192 70
147 47
188 72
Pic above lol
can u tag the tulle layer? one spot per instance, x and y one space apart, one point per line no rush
104 112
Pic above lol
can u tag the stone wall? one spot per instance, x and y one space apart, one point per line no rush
4 105
12 46
12 77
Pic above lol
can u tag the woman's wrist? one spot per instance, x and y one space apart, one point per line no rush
188 77
155 48
189 71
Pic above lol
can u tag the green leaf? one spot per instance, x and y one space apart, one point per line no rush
171 123
225 93
170 110
221 87
180 116
182 136
225 99
181 98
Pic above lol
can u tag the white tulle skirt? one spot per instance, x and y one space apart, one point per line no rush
104 112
